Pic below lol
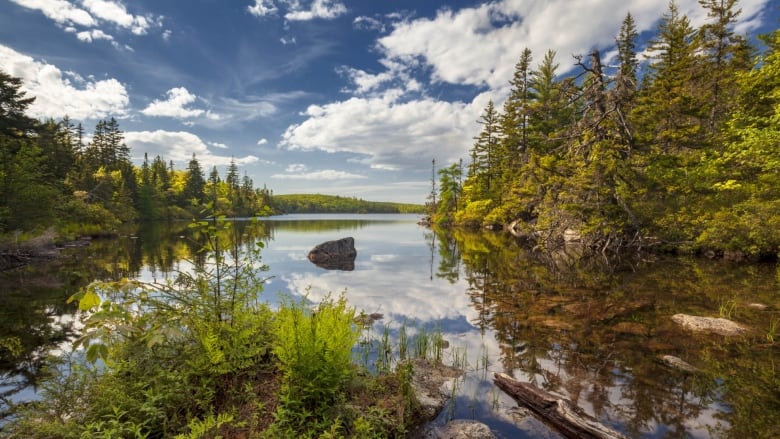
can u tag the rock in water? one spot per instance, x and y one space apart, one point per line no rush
709 324
677 363
335 255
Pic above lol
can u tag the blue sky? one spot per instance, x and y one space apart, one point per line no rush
347 97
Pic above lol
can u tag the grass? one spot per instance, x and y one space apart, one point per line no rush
727 309
772 333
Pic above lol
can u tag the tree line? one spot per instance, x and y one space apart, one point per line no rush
50 175
317 203
679 151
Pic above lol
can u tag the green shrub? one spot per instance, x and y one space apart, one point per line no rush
173 355
474 213
314 349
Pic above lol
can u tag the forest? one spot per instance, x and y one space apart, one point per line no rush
316 203
671 149
50 177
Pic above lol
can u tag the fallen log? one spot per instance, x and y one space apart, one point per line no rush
556 411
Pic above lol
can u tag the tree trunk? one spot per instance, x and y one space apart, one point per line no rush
558 412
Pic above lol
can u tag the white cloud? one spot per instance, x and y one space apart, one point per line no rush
218 145
479 46
296 167
387 134
116 13
262 8
60 93
325 9
262 141
177 146
390 123
213 116
296 11
95 34
286 41
366 82
175 105
245 111
327 175
60 11
93 14
166 35
368 23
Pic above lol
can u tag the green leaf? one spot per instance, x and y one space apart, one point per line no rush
89 300
97 351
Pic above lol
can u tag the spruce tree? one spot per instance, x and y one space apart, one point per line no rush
194 183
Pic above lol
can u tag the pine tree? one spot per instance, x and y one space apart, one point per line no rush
195 182
14 123
724 55
744 210
231 178
514 119
449 193
27 195
625 88
669 111
483 169
539 178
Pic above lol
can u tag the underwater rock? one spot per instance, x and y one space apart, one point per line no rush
429 382
677 363
714 325
460 429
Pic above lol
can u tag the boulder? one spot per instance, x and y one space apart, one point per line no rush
429 384
713 325
458 429
335 255
677 363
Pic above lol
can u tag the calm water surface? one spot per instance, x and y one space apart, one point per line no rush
588 329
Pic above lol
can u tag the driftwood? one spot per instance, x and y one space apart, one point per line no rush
557 412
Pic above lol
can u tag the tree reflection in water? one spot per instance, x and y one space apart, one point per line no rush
587 328
592 330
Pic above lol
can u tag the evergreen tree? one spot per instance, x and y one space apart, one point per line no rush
148 199
195 182
483 169
539 179
14 123
514 119
550 110
625 88
669 110
449 193
27 196
231 178
161 178
724 55
514 145
743 213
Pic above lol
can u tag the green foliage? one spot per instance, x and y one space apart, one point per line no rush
95 186
206 427
450 193
310 203
474 213
683 159
314 348
168 356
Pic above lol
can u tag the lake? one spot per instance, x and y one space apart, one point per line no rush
590 329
